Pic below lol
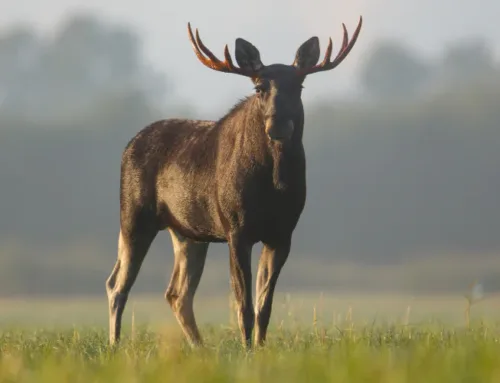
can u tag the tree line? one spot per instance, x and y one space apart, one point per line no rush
409 167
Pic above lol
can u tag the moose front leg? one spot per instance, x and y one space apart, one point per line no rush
240 257
271 262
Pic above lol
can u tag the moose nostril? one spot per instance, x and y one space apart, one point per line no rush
279 131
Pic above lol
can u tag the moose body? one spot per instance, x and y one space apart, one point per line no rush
239 180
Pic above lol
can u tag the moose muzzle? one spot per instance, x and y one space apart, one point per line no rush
279 131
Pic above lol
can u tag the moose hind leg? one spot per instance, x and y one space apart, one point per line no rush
189 262
132 249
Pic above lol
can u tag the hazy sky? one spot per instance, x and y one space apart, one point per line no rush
277 30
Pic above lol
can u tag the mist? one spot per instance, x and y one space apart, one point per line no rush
402 139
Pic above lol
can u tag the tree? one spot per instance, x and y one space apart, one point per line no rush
466 63
392 71
87 63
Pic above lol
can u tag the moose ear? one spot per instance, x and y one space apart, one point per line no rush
247 56
308 54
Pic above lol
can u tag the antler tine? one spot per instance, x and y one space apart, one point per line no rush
345 42
328 53
205 61
211 61
229 60
347 45
205 50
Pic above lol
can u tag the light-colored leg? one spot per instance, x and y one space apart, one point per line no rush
189 262
131 252
271 262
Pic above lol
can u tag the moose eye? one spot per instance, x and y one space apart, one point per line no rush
261 87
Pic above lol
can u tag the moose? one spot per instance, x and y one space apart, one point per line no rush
239 180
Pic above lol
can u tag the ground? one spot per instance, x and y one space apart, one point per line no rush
313 338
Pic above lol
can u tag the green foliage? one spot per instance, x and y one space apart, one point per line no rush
375 354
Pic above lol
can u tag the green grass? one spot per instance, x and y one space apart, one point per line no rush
425 353
336 338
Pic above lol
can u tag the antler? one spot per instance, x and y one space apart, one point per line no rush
347 45
208 59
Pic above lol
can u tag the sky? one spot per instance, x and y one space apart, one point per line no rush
277 28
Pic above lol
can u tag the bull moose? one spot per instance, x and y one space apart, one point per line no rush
240 180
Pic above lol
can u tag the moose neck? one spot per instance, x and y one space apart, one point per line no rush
285 159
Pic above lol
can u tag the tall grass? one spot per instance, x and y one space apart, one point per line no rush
337 338
425 353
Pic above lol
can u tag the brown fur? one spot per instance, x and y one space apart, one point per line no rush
239 180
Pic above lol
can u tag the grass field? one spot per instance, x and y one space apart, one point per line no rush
344 338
